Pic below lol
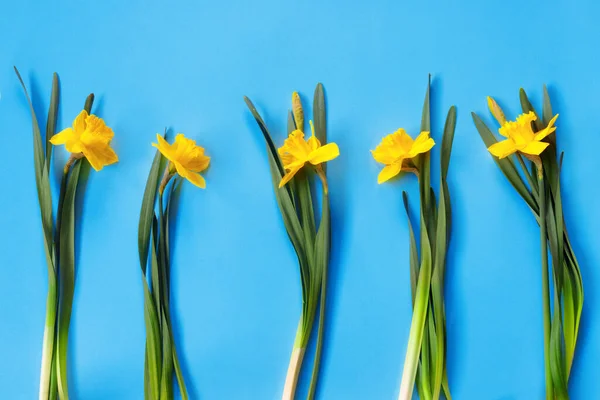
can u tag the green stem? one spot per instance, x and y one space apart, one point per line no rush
48 341
416 331
321 333
527 174
545 284
66 273
167 368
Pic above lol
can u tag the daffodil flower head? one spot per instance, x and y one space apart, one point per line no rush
521 138
296 152
397 149
185 157
89 137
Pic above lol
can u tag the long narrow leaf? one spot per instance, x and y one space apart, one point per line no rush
51 122
67 278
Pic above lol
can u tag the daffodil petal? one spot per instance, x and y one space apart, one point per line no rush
63 137
199 163
422 145
313 143
288 176
79 123
164 147
503 149
383 155
547 130
99 157
193 177
324 154
534 148
543 133
388 172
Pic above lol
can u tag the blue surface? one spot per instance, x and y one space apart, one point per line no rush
236 288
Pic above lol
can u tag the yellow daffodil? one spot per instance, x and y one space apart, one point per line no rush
520 136
90 138
185 157
296 152
396 149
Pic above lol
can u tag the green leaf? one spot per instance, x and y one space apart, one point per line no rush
426 114
307 213
147 211
89 101
166 380
66 277
546 117
51 122
424 163
42 184
437 294
447 140
413 252
320 115
153 341
322 243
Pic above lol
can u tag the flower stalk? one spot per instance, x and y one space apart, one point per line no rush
292 182
181 159
425 360
533 138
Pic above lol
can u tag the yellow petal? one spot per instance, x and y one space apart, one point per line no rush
199 163
99 157
79 123
503 148
63 137
164 147
288 176
388 172
547 130
534 148
324 154
382 155
193 177
313 142
423 143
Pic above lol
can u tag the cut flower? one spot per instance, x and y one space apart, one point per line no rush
296 152
185 157
397 148
90 138
520 136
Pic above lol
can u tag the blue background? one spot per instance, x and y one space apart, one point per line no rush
236 288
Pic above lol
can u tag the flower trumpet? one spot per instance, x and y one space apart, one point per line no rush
293 166
425 359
